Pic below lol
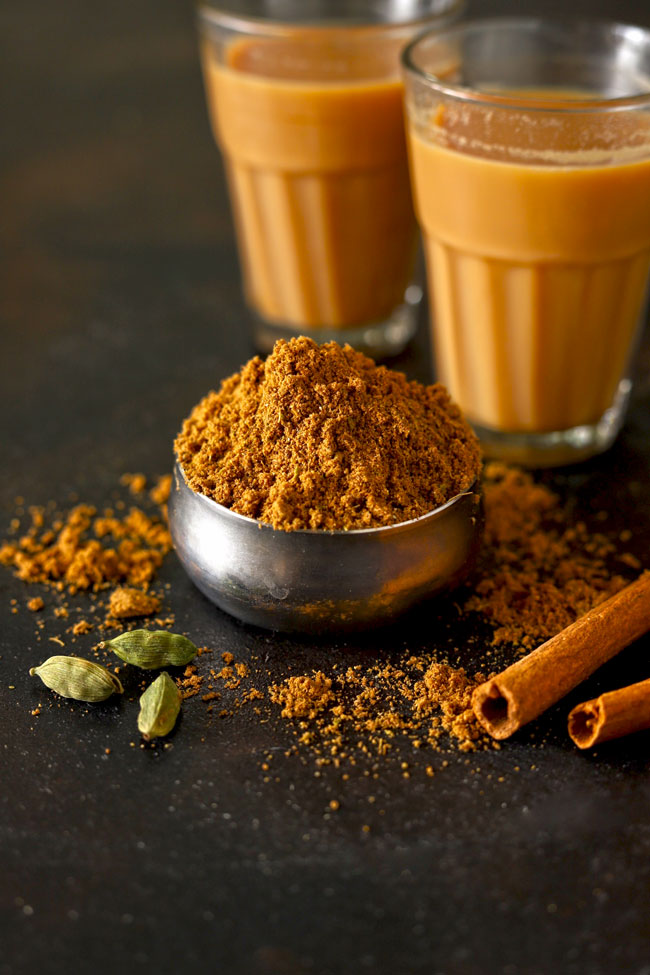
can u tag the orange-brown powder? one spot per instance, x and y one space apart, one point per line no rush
85 550
126 603
303 697
159 493
136 483
319 437
367 710
82 627
448 690
539 570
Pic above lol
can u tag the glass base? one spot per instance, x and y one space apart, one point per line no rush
556 448
377 339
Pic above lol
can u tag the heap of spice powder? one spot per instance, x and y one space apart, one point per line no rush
319 437
539 570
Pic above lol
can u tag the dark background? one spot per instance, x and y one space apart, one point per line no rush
120 306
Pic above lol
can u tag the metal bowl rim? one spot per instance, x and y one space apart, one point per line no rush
221 510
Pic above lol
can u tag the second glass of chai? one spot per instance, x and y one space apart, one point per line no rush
530 155
305 100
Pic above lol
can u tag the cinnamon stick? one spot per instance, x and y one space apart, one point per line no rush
611 715
523 691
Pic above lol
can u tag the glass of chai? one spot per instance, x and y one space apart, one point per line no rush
530 160
306 103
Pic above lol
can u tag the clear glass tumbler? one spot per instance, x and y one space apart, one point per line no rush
530 161
306 103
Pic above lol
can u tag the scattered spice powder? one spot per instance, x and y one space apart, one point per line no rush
319 437
302 697
539 571
126 603
450 690
73 555
84 550
366 710
191 681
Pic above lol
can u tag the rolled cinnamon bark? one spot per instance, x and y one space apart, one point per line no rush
611 715
510 700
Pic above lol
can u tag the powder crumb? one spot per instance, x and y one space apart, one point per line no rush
166 622
136 483
190 683
159 493
630 560
35 604
82 627
126 603
302 697
449 691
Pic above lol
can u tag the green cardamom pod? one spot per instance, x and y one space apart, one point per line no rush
152 649
80 679
159 707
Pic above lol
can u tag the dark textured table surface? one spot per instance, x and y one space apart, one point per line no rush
120 306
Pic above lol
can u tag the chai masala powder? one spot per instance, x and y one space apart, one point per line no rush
90 551
319 437
538 570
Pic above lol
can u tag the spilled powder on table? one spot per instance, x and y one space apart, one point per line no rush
538 572
86 551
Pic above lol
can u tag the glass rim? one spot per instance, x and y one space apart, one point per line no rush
530 103
211 12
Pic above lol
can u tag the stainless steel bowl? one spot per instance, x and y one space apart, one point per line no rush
316 581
